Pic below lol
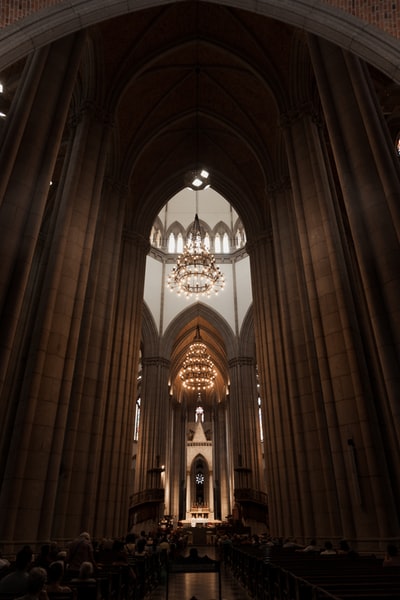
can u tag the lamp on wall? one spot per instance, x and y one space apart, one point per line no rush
198 371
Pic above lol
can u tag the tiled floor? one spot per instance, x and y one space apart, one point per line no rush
203 586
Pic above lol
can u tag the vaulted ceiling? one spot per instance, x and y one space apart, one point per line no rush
196 82
199 82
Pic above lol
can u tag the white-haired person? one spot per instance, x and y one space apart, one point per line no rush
86 573
80 550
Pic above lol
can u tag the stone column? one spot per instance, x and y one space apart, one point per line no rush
210 502
176 463
118 425
369 175
188 495
222 461
280 453
155 423
35 457
245 431
81 460
339 408
29 147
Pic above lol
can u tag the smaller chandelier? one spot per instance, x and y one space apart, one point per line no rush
196 271
198 371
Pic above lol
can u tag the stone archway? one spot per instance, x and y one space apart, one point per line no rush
36 29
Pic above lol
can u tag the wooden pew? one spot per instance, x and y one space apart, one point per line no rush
289 575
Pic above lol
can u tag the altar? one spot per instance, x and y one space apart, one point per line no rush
200 512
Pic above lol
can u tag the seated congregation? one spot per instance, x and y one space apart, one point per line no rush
130 568
111 570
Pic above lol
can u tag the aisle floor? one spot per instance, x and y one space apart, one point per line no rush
203 586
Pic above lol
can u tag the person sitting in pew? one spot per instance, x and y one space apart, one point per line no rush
36 585
85 585
86 574
4 563
329 549
311 547
346 550
392 558
55 574
16 582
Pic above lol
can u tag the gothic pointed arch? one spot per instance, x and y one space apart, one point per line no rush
247 338
208 315
150 334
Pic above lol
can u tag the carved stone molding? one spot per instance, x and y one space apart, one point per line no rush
156 361
264 238
137 239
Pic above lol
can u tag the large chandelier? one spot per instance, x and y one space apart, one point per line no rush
198 372
196 272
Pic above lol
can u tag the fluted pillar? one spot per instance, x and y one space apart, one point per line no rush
340 406
44 403
118 424
369 174
155 423
245 429
188 494
175 503
81 461
280 453
30 143
222 462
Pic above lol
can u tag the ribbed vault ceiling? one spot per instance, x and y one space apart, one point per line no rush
196 80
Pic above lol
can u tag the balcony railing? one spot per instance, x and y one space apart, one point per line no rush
250 495
145 496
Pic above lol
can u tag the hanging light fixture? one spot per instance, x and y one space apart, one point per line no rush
198 372
196 272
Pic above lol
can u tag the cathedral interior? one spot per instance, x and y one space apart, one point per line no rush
105 114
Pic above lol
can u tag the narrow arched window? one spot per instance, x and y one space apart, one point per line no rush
179 243
171 243
137 420
138 402
260 415
217 243
225 244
